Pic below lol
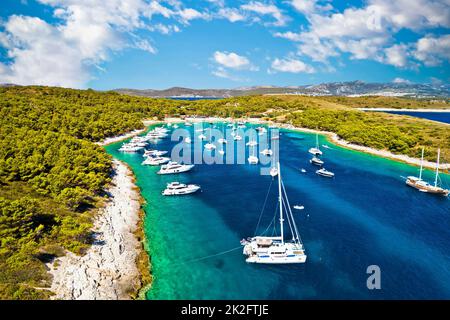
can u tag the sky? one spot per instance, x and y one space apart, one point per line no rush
145 44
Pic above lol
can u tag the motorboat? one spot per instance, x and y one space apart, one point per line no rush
317 161
154 153
174 167
177 188
267 152
251 143
210 146
155 161
325 173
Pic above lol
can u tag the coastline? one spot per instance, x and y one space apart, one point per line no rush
127 135
110 269
338 141
404 110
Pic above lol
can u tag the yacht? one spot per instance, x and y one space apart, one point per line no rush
177 188
187 140
298 207
210 146
130 148
221 151
155 161
273 171
154 153
316 151
325 173
421 185
202 137
174 167
237 138
276 249
251 143
267 152
317 161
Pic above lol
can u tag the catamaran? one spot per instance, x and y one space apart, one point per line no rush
421 185
275 249
316 151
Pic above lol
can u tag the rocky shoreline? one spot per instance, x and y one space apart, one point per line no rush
109 269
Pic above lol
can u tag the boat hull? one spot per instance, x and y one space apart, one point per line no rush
428 188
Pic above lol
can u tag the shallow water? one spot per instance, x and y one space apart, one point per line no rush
366 215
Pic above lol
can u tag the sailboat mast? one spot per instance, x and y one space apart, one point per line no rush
421 165
437 168
281 204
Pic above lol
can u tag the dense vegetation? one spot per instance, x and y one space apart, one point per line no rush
52 175
390 102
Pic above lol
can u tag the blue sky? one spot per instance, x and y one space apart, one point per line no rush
222 43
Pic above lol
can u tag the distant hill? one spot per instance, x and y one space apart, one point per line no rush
353 88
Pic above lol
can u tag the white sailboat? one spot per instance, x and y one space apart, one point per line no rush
316 151
421 185
276 250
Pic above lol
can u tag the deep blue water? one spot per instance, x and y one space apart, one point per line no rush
365 216
436 116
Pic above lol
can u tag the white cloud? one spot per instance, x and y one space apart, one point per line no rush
401 81
433 50
397 55
309 7
369 32
233 61
266 9
87 33
145 45
164 29
231 14
191 14
222 73
291 65
40 56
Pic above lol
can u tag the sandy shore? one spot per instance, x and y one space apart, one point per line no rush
128 134
119 138
335 139
108 270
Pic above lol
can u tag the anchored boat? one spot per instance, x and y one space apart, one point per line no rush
174 167
421 185
325 173
276 250
177 188
316 151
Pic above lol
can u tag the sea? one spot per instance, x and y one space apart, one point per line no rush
435 116
365 218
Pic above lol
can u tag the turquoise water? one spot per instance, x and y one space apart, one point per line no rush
364 216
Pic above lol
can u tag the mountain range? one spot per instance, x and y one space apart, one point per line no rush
353 88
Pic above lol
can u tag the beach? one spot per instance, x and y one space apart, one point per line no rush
108 270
